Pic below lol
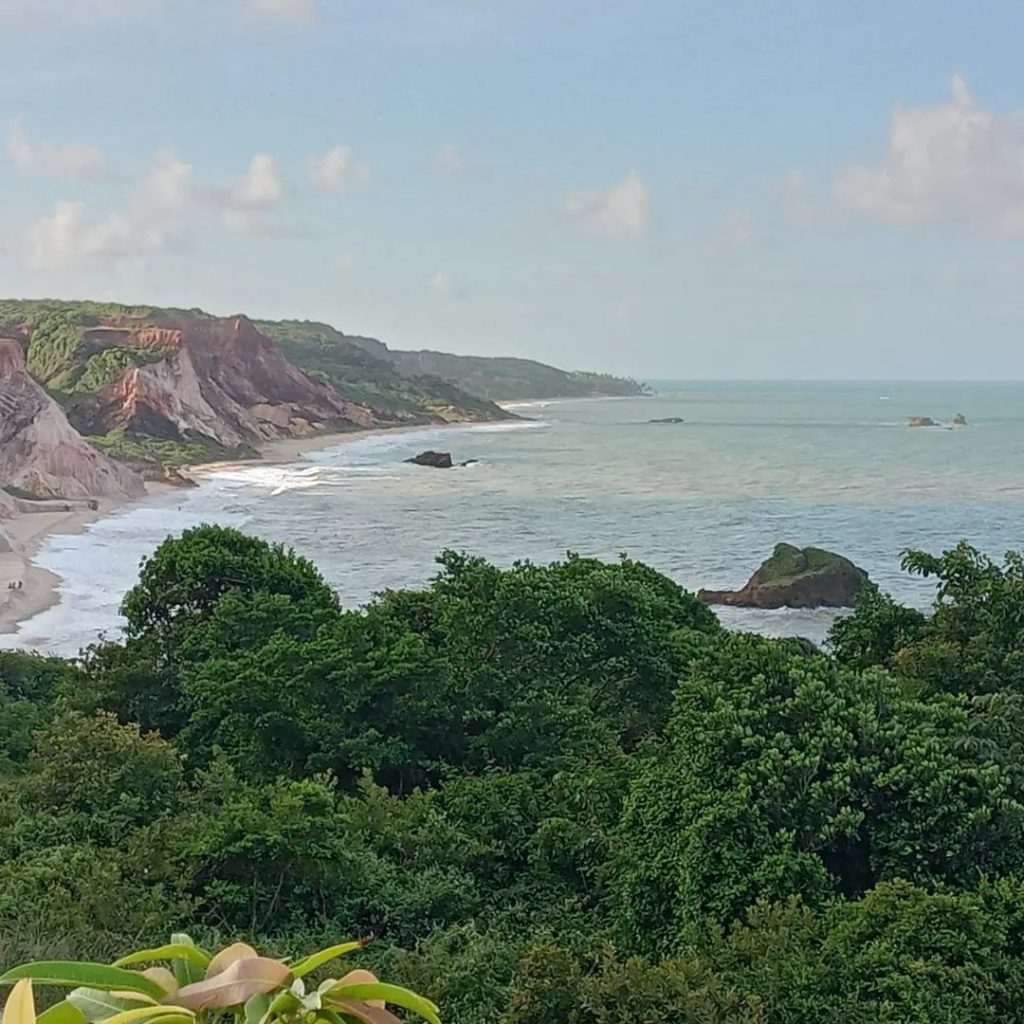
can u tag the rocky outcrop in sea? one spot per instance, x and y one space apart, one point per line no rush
796 578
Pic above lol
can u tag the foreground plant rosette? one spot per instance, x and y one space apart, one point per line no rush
184 984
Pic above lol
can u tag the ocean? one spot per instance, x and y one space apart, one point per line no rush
704 501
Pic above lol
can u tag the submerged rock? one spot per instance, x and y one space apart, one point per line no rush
921 421
436 460
795 578
959 420
669 419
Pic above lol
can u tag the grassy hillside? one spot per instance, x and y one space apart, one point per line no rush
504 377
360 374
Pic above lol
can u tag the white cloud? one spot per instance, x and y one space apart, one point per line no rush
68 238
168 183
621 211
338 170
954 162
70 160
260 188
301 11
160 207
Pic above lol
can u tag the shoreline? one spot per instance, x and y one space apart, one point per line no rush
29 531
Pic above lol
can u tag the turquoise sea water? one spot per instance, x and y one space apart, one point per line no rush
704 501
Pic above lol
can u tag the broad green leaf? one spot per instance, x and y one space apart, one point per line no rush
228 956
330 1016
71 972
20 1007
315 960
256 1007
185 970
283 1003
234 985
64 1012
393 994
357 977
96 1005
172 951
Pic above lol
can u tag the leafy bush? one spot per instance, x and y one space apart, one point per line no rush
554 793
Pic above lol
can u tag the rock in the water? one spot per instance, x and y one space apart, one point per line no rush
959 420
437 460
921 421
669 419
469 462
791 578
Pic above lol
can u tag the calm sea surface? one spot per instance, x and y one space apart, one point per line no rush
833 465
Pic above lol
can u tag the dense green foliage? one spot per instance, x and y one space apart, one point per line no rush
141 448
57 355
334 358
506 377
555 795
431 378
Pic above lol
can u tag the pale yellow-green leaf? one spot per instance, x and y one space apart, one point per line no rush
142 1013
20 1007
164 978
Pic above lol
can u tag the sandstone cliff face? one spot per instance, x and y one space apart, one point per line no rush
222 381
40 451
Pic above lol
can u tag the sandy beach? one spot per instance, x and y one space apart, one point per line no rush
28 531
38 587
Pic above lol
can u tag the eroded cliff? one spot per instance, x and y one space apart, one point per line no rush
40 452
218 380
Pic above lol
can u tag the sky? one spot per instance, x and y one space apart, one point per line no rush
662 188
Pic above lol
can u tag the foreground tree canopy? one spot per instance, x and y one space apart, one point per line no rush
553 794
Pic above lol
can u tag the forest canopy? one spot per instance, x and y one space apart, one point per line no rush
554 794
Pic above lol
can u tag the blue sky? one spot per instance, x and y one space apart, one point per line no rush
668 189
